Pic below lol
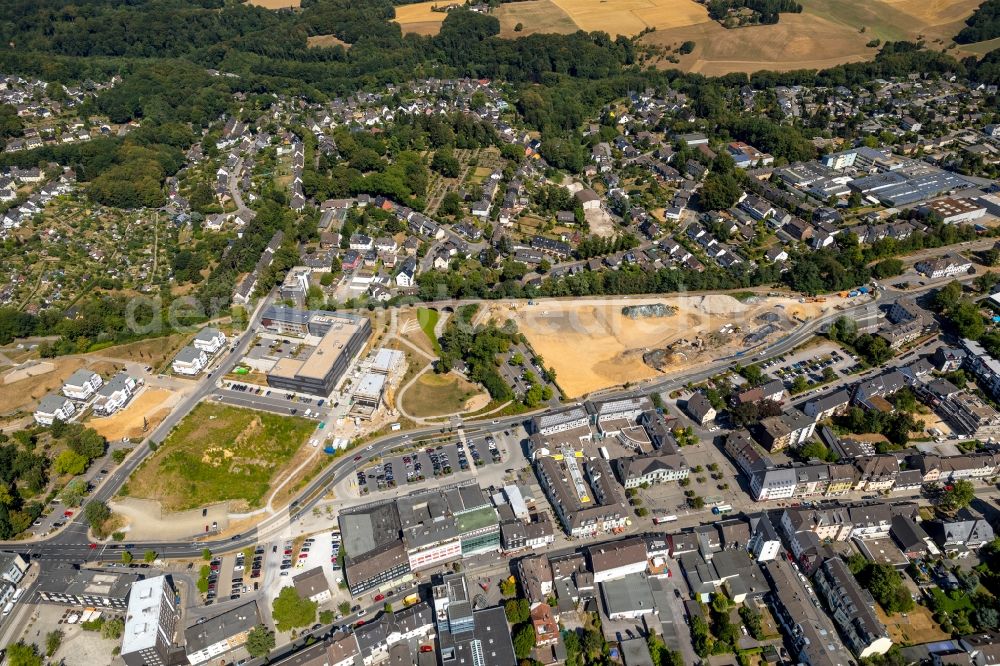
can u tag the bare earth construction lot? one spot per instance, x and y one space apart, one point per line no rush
592 345
826 33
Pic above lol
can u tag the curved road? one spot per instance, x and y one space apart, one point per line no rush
72 543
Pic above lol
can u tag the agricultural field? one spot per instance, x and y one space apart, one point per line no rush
826 33
592 345
435 395
220 453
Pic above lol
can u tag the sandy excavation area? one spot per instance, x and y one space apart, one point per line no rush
592 345
153 405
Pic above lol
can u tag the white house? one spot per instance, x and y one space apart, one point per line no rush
210 340
115 394
82 384
190 361
52 407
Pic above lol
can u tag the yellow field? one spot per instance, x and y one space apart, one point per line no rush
826 33
418 17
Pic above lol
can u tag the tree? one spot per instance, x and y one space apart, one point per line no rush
686 47
344 607
97 513
326 617
720 191
21 654
113 629
508 587
74 492
260 640
127 557
149 556
69 462
290 611
53 640
206 554
518 27
517 610
524 640
800 384
886 586
957 496
451 205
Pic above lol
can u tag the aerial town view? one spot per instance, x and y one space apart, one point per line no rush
519 333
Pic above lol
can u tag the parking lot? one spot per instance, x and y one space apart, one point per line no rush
818 365
427 461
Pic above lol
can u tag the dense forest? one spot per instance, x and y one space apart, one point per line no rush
982 25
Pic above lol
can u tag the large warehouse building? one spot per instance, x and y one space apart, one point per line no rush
317 369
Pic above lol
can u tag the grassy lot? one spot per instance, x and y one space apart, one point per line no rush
434 394
428 319
155 352
219 453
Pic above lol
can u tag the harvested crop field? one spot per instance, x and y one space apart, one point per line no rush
434 395
419 18
220 453
592 345
325 41
153 405
826 33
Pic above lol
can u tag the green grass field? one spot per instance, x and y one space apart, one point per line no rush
219 453
433 394
428 319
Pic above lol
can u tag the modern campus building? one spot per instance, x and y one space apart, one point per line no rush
317 370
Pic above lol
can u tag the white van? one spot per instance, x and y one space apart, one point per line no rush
8 608
17 594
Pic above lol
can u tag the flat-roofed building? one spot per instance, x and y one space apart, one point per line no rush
317 370
149 623
465 635
375 555
63 583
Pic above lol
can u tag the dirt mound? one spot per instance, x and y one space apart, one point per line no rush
649 311
720 304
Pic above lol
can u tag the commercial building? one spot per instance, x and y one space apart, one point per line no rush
82 384
535 575
467 635
218 635
560 431
852 609
442 525
149 623
954 211
950 265
375 555
657 467
628 597
616 559
63 583
583 508
318 369
388 633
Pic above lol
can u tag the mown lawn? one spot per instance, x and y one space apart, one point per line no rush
428 319
219 453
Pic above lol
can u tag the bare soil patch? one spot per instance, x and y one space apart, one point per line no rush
25 393
592 345
276 4
151 405
325 41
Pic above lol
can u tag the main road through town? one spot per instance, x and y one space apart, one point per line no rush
72 544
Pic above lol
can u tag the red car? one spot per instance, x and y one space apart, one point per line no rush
67 514
379 597
426 648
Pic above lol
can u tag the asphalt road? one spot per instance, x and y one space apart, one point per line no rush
72 543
